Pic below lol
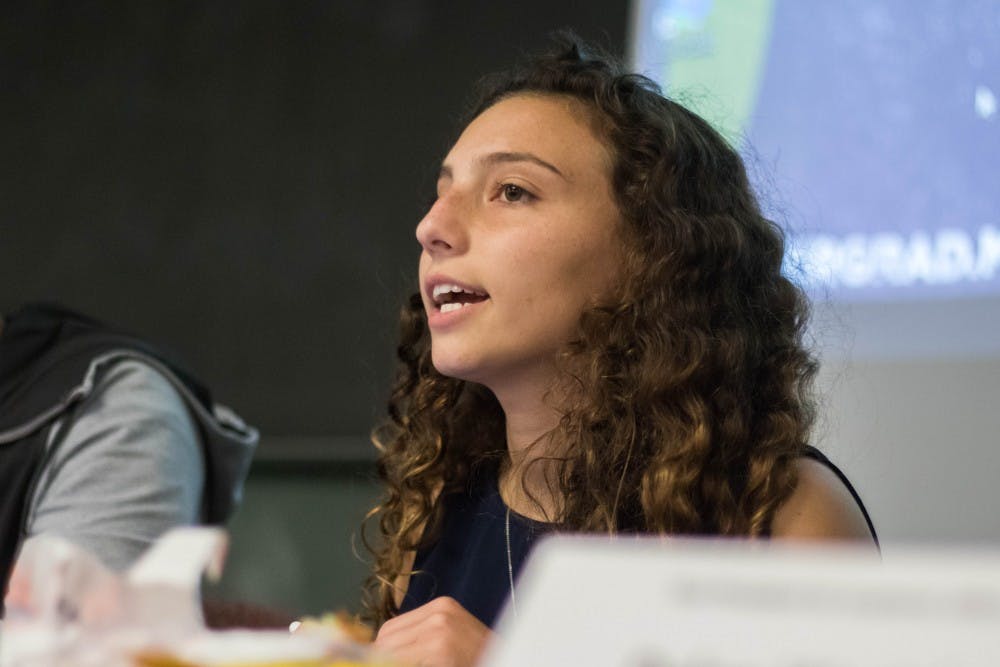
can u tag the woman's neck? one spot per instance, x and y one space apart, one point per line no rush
528 483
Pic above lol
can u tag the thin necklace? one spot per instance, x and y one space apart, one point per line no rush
510 563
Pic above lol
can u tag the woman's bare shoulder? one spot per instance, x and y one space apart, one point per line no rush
821 507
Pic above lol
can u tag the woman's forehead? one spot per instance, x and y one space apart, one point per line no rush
557 129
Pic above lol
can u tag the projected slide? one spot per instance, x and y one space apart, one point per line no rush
872 129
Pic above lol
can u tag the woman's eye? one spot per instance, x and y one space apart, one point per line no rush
514 193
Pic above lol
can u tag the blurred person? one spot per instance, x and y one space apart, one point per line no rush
105 441
603 342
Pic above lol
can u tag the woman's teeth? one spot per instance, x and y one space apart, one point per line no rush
446 288
448 307
448 297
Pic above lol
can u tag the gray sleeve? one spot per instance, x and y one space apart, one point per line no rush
122 469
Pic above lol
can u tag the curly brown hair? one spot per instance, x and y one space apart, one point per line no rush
693 388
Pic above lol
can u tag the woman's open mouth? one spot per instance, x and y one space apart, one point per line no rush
448 297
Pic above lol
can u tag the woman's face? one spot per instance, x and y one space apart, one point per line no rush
522 238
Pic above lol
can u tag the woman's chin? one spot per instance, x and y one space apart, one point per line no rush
468 368
456 368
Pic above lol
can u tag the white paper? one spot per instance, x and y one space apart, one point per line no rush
653 602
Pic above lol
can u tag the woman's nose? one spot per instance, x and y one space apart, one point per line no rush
442 229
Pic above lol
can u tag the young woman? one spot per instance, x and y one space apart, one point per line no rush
603 342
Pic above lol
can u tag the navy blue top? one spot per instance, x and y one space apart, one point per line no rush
468 561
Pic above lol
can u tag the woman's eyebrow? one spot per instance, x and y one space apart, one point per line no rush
502 157
505 157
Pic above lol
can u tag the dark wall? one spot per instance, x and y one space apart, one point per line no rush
241 180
